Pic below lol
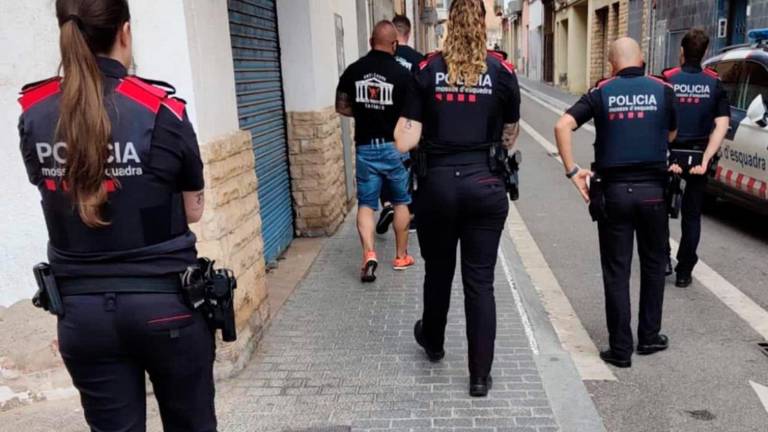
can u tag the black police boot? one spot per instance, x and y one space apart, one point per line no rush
668 271
611 358
434 356
479 386
683 280
386 217
659 344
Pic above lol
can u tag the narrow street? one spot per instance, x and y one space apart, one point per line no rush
703 381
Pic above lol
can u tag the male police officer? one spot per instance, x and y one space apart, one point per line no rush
634 120
373 90
703 113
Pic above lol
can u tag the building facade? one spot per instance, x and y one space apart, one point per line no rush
726 21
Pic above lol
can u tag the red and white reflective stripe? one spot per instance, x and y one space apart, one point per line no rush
742 182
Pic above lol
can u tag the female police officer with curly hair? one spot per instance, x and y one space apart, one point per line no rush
467 101
117 164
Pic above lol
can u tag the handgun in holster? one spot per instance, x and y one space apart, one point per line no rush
212 291
509 166
674 196
597 199
47 296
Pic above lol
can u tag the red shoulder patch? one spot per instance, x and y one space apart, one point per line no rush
711 72
603 82
669 73
176 106
142 93
32 94
428 59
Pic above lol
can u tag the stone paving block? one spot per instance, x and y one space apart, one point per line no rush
340 356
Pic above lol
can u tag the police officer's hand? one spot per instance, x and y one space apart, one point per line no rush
700 169
580 180
675 169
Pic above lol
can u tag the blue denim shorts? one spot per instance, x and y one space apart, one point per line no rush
379 165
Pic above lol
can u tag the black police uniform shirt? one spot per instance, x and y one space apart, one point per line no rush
153 158
633 114
377 86
700 98
408 58
460 118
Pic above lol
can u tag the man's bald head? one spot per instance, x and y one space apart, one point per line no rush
624 53
384 37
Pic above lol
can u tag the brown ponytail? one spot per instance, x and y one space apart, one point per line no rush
88 27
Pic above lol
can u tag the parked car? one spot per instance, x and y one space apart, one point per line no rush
741 175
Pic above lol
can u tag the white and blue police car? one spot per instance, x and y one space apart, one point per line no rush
741 175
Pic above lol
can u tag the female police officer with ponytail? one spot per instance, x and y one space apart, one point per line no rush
117 164
468 101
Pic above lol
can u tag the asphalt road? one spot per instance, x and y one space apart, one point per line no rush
702 382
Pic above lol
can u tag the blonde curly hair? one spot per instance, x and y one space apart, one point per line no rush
465 45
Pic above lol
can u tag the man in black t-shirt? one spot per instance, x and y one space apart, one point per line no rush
373 91
408 58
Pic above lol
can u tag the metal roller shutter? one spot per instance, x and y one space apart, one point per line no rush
258 80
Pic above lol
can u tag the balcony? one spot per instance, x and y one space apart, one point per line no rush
514 7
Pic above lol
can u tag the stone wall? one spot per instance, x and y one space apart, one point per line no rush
610 21
318 178
230 233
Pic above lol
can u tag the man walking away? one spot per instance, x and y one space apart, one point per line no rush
408 58
373 91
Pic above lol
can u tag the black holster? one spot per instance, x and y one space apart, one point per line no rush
48 296
212 291
674 196
597 199
501 162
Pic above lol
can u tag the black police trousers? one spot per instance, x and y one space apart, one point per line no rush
109 341
633 210
465 205
690 214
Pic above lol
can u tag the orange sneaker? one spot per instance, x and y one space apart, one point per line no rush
370 263
403 263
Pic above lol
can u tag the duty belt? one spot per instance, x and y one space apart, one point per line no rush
100 285
462 158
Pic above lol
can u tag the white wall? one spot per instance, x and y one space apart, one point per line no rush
310 71
185 43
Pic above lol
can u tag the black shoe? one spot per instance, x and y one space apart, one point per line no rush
434 356
479 386
368 272
611 358
660 344
412 226
668 271
386 217
683 280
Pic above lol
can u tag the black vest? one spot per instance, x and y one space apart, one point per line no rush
460 118
632 129
696 103
148 233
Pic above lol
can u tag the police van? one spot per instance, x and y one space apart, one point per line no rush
741 175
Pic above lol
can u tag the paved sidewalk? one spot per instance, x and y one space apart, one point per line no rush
340 356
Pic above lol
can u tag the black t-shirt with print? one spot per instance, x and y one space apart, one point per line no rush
408 58
377 86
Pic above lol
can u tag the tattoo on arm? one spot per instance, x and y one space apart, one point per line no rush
510 134
343 104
